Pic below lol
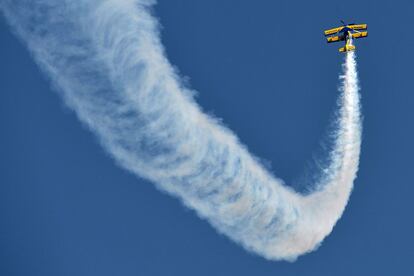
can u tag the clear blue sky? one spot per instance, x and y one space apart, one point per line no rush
67 209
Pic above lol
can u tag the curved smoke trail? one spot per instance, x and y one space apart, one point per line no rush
106 59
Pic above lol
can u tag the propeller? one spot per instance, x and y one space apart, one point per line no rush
343 23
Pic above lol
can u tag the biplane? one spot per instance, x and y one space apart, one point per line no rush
347 33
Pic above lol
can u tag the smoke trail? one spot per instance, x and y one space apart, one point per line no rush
106 59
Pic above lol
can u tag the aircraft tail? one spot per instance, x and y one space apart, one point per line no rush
347 48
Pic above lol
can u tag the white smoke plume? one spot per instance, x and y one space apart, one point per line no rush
106 60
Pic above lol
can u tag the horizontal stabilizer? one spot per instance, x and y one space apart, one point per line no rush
347 48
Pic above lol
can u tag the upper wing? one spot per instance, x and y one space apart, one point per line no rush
333 31
360 35
358 27
334 39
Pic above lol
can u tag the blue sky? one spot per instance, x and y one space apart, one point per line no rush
67 209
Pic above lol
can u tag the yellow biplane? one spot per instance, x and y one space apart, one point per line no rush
347 33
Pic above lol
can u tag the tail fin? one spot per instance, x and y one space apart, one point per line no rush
347 48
